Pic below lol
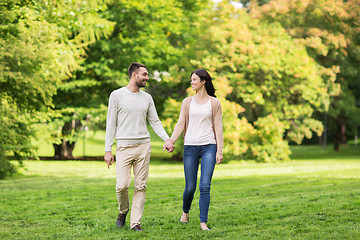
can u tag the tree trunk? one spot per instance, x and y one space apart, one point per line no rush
64 150
343 139
321 140
340 135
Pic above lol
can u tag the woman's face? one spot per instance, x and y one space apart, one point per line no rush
196 83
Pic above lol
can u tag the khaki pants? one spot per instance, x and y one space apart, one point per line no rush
137 156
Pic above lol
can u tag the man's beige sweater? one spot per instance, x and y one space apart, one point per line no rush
126 118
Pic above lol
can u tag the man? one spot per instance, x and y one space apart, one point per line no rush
129 107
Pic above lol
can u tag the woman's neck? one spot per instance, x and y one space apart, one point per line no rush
201 96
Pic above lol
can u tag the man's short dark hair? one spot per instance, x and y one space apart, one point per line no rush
134 67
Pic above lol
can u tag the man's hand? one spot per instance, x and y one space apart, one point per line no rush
169 146
219 158
109 158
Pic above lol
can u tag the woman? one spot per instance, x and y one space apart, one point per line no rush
201 121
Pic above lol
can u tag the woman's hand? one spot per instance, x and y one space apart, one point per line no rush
219 158
169 145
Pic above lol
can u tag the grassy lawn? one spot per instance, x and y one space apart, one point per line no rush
316 196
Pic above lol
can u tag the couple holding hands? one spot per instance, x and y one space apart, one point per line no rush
200 122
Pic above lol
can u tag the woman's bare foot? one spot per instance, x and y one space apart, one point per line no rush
184 218
204 226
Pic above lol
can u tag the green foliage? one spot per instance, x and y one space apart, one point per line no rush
267 143
28 57
16 130
15 136
329 30
249 3
78 117
170 117
268 85
29 73
78 24
143 31
237 131
150 32
42 43
6 168
265 79
64 58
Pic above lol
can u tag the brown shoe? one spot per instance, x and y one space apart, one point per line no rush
137 228
120 222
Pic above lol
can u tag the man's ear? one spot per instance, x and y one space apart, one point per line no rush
133 74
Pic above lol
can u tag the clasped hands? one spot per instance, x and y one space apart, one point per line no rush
169 145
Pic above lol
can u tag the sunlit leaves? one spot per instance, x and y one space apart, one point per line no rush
42 43
259 67
330 31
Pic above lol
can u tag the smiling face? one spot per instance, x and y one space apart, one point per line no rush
141 77
196 82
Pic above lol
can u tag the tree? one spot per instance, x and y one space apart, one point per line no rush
329 29
37 51
258 68
246 3
150 32
81 24
30 60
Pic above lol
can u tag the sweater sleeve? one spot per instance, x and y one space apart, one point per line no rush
219 128
180 125
155 121
111 122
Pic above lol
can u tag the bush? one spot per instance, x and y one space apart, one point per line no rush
267 143
6 168
16 135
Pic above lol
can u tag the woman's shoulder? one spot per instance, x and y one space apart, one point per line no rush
187 100
215 100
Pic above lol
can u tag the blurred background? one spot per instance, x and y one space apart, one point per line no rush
286 72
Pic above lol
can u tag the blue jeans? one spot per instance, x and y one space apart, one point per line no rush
192 155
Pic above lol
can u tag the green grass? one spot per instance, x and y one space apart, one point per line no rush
315 196
318 152
312 199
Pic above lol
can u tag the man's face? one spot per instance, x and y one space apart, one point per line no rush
141 77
